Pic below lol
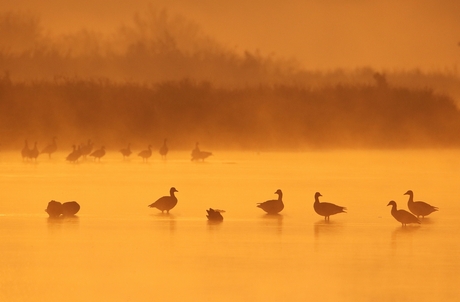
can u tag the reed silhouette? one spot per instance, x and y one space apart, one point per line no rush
326 209
166 203
402 215
419 208
273 206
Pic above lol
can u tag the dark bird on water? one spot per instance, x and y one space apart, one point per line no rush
126 152
326 209
33 154
145 154
215 214
273 206
402 215
86 149
98 153
419 208
198 155
74 155
51 148
164 150
166 203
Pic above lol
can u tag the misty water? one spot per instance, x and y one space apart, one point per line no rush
118 249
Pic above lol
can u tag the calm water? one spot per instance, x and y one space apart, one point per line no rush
118 249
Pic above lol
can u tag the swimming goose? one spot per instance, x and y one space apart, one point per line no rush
402 215
25 151
325 208
419 208
145 154
51 148
197 154
164 150
215 214
166 203
126 151
273 206
98 153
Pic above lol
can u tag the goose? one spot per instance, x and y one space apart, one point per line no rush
197 154
402 215
98 153
126 151
25 151
215 214
164 150
273 206
51 148
86 149
74 155
33 154
145 154
166 203
419 208
326 209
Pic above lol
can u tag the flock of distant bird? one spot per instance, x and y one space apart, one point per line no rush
326 209
84 150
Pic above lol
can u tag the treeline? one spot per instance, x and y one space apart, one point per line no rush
254 118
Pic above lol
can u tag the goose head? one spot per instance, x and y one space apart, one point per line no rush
172 190
391 203
318 194
410 193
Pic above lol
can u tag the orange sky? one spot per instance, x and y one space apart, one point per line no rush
320 34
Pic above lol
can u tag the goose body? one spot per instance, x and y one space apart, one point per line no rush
86 149
326 209
98 153
51 148
198 155
145 154
419 208
214 214
126 152
273 206
164 150
166 203
33 154
402 215
74 155
25 151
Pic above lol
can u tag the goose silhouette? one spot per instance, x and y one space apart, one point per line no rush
145 154
33 154
273 206
326 209
74 155
215 214
98 153
51 148
166 203
86 149
164 150
402 215
419 208
198 155
25 151
126 152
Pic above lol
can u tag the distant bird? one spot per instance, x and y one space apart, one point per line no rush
402 215
419 208
33 154
198 155
166 203
145 154
74 155
25 151
326 209
273 206
126 151
85 150
51 148
164 150
55 209
215 214
98 153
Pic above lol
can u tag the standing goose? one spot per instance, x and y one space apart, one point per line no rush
33 154
98 153
273 206
145 154
402 215
197 154
419 208
326 209
164 150
51 148
86 149
126 151
25 151
166 203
